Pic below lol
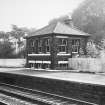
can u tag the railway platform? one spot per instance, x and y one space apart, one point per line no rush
89 78
86 87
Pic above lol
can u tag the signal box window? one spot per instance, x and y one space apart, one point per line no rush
40 46
75 45
62 47
47 44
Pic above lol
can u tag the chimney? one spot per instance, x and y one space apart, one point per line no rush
69 21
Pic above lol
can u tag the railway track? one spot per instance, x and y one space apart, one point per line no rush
9 100
26 96
1 103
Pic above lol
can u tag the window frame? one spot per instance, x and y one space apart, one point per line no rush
39 65
62 47
47 45
32 65
32 43
75 45
40 46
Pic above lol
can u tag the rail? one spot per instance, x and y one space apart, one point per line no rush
39 97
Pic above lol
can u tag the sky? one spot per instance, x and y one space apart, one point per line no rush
33 13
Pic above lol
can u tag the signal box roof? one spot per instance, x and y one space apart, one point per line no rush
59 28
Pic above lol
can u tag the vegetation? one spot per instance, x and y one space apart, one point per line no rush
8 39
6 51
90 17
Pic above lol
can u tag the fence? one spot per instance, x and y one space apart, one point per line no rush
12 62
87 64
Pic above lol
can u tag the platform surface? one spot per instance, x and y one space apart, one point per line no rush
96 79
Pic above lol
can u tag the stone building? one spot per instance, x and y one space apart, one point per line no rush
51 46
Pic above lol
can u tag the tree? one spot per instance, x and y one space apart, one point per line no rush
98 37
90 16
4 36
18 34
6 51
92 50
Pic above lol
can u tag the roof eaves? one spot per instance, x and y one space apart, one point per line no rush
48 34
80 31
